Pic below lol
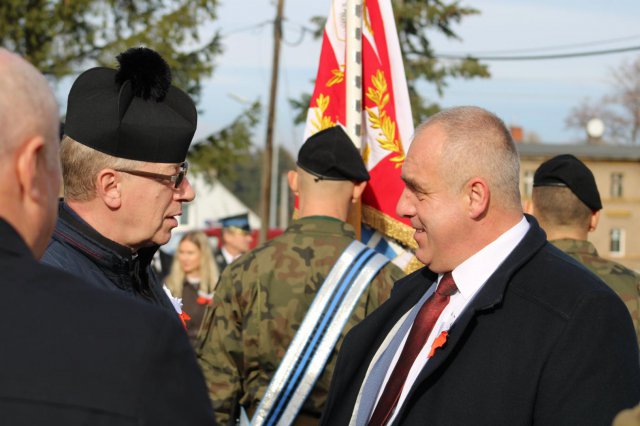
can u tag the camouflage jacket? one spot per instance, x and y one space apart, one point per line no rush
258 306
621 279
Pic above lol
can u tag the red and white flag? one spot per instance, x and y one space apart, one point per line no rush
387 120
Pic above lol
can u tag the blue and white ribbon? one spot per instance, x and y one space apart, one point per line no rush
318 334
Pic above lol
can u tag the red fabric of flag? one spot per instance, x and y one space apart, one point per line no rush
387 120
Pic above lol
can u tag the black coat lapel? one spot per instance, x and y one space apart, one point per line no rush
370 334
364 339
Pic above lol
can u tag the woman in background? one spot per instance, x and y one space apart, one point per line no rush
193 277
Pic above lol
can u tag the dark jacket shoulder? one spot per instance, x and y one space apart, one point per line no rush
82 355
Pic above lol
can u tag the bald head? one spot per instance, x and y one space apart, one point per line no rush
27 105
461 186
322 196
312 187
477 143
29 145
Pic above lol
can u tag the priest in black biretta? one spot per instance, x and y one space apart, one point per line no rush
133 112
567 171
331 155
126 137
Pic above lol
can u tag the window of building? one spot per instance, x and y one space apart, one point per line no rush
616 241
528 183
616 185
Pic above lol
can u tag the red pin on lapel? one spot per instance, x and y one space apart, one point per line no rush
438 343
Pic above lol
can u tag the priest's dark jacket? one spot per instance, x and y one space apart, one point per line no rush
72 354
544 342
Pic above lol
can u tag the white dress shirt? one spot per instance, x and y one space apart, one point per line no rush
228 257
469 276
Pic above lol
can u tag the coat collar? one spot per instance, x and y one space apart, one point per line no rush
576 247
72 229
12 243
321 225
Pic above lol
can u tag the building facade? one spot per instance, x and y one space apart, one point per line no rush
617 172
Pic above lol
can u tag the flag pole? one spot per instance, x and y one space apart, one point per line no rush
353 75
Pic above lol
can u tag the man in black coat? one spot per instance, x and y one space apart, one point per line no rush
500 328
73 354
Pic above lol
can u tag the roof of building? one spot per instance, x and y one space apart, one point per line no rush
582 151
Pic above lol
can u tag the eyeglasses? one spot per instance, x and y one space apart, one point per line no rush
175 179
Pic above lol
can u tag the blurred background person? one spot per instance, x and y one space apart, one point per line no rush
193 277
566 202
236 239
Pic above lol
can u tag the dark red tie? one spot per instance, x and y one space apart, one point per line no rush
420 330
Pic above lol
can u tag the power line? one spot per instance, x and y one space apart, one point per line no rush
556 47
301 29
539 57
259 25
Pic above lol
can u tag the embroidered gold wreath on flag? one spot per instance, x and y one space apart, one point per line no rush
389 226
338 76
322 122
365 17
378 94
322 102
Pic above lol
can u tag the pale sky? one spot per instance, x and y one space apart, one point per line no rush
536 95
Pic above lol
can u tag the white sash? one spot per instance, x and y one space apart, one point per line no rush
317 336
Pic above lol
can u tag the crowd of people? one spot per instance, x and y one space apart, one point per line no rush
514 319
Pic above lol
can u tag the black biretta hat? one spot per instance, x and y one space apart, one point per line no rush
134 112
566 170
330 154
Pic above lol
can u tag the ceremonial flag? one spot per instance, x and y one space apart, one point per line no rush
387 120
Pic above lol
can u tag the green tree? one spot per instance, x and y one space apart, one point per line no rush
64 37
245 183
221 154
414 18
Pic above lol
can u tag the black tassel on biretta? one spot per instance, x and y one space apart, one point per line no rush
148 73
133 112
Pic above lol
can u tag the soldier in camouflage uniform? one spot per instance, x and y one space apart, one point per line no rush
567 204
263 296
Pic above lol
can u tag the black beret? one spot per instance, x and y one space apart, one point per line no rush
240 221
330 154
566 170
134 112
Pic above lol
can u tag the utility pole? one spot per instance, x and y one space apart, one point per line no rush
268 150
284 201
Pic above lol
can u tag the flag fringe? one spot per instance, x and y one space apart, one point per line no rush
413 265
389 226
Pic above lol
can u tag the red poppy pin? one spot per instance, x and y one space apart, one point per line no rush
203 300
438 343
184 317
